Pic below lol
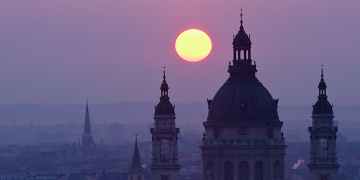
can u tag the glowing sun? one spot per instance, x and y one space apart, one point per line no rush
193 45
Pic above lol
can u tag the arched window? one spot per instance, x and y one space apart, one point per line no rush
228 171
323 147
243 170
165 148
259 170
209 170
277 170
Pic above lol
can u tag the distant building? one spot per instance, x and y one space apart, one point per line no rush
243 139
323 155
165 160
87 139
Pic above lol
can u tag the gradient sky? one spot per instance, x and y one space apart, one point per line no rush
62 51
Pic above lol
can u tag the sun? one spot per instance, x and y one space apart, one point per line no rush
193 45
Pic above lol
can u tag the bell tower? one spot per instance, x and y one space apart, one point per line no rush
165 165
323 160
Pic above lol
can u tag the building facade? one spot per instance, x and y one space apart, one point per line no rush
165 165
323 159
243 138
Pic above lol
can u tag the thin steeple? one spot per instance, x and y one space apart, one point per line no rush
241 20
322 85
136 165
87 126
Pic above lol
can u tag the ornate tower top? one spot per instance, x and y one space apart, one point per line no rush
322 106
242 63
242 97
164 106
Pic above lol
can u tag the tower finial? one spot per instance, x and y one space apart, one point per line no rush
241 20
322 71
136 137
164 72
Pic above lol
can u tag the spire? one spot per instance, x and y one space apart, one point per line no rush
242 64
164 86
136 165
164 77
322 106
87 127
241 21
164 106
322 85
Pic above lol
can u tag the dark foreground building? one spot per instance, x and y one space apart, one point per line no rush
243 138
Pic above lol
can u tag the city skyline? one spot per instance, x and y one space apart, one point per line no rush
61 52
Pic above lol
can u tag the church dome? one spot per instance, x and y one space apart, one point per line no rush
242 97
243 100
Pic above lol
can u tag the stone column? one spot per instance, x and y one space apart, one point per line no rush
251 168
236 167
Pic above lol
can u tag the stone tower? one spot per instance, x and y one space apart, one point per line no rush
323 161
87 139
243 138
136 171
165 165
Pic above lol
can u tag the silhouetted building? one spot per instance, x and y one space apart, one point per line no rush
165 165
136 171
323 160
243 138
87 139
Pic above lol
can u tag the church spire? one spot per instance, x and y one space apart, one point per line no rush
87 126
136 165
322 106
242 64
241 21
164 106
164 86
322 85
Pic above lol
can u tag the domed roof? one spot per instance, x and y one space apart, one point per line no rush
322 106
164 107
243 100
241 38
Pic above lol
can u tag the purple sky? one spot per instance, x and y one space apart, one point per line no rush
60 52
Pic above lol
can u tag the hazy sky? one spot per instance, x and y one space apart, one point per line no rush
61 51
